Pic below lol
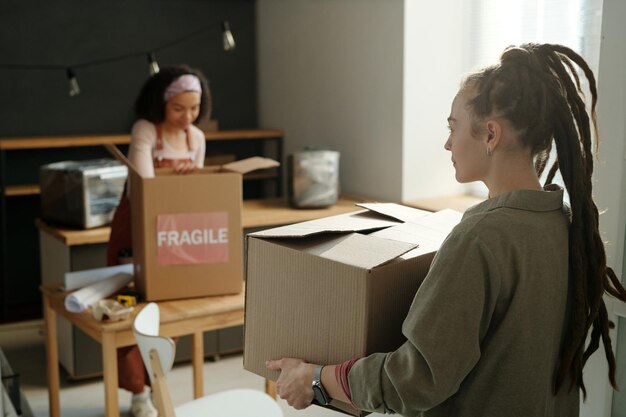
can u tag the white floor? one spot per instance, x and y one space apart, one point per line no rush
86 398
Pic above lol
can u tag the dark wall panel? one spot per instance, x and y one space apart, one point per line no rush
69 32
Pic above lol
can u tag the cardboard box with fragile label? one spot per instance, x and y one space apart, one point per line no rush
186 230
336 288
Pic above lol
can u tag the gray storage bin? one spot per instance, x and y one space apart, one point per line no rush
82 194
313 178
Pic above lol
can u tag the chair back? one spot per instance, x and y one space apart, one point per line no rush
157 353
146 331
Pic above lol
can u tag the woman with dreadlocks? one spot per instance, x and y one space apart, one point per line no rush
499 325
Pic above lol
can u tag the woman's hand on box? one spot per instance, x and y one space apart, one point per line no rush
294 382
184 167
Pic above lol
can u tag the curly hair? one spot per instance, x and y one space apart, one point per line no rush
150 103
536 88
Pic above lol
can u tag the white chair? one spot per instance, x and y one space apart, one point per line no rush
157 353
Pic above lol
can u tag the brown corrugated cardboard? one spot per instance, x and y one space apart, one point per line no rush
332 289
159 273
186 229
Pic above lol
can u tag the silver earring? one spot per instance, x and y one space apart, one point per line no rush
488 151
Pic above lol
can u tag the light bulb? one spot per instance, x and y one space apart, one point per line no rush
227 37
153 66
74 89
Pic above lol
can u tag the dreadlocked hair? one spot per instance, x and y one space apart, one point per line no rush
536 88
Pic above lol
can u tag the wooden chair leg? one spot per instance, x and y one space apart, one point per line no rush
162 398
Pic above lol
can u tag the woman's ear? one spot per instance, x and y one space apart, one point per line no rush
493 136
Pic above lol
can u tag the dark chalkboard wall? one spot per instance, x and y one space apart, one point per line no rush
35 102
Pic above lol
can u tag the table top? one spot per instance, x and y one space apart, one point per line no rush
277 212
255 214
459 202
171 311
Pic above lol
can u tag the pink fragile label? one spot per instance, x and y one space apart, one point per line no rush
192 238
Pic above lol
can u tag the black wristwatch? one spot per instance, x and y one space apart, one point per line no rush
319 393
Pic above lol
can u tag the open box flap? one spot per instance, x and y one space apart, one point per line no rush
354 249
362 251
428 232
396 211
434 227
442 220
115 151
242 166
359 221
250 164
410 233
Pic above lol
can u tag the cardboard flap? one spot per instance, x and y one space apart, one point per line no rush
242 167
115 151
364 251
359 221
442 220
396 211
250 164
410 233
432 228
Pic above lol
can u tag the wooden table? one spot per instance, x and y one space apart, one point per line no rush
178 318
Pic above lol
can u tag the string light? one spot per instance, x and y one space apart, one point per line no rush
227 37
74 89
153 66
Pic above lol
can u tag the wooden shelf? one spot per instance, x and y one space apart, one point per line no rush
243 134
33 189
62 141
19 190
95 140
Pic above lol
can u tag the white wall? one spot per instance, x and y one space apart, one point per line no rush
609 182
347 75
434 64
330 75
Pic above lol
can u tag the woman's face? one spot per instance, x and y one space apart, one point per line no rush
182 110
469 156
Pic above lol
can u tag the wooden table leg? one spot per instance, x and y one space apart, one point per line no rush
109 365
270 388
197 360
52 357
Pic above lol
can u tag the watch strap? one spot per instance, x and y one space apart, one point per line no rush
317 373
319 393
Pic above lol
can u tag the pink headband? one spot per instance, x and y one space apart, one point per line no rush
184 83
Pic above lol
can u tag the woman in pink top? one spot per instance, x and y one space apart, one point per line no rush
163 136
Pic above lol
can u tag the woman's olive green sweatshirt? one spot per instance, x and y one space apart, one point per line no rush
485 328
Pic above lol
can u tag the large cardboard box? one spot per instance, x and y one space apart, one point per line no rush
186 230
332 289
